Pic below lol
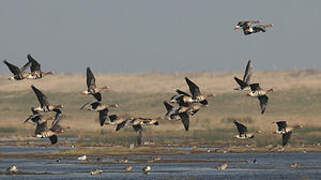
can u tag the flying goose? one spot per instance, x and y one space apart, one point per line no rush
96 171
91 84
181 98
45 106
245 83
222 166
196 93
255 29
36 117
102 109
285 130
128 168
35 69
261 94
243 134
245 24
137 123
18 73
51 133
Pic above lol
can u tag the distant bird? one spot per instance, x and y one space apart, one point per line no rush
182 113
255 29
285 130
137 123
243 134
124 160
222 166
12 169
128 168
102 109
45 106
35 69
196 93
51 133
91 84
96 171
244 84
245 24
18 73
294 165
181 98
261 94
147 169
82 158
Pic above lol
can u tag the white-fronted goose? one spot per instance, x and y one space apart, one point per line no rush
245 24
244 84
51 133
243 134
181 98
285 130
196 93
18 73
128 168
102 109
255 29
137 123
91 85
261 94
45 106
35 69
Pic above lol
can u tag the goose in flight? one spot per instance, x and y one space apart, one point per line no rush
244 84
91 86
243 134
255 29
51 133
45 106
261 94
102 109
18 73
137 123
245 24
196 93
285 130
35 69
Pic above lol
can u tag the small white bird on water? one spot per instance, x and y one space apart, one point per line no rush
82 158
96 171
146 169
12 169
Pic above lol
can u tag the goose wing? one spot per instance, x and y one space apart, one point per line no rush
25 67
248 73
194 89
286 137
13 68
185 120
103 116
281 125
91 81
121 125
35 66
255 87
241 83
168 106
240 128
263 102
41 127
182 92
53 139
55 127
43 100
97 96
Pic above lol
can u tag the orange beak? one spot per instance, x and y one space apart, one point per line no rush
236 28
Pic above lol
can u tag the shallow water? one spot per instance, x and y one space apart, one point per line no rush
190 166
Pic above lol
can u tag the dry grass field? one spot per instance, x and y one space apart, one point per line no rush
296 99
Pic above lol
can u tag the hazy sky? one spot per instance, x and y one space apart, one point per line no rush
166 35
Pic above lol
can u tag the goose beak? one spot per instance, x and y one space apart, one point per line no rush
248 94
236 27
